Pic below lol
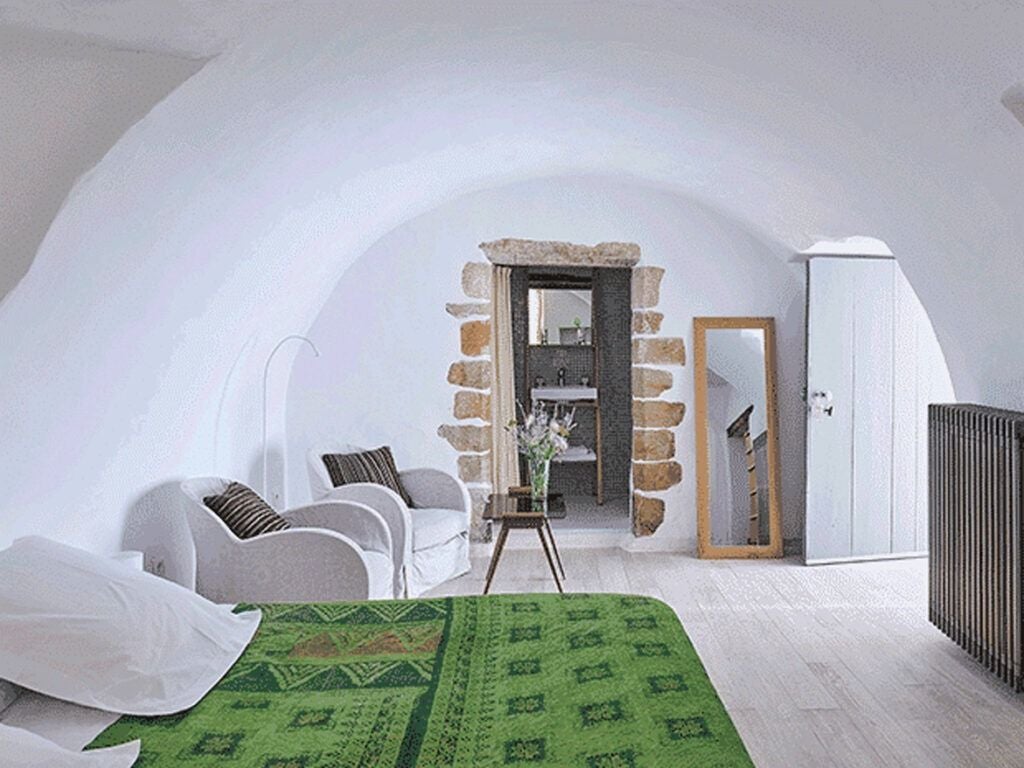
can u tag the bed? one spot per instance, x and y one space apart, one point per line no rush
594 681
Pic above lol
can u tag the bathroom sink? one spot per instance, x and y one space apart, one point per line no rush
574 392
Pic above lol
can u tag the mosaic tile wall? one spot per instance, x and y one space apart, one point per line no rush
614 313
613 327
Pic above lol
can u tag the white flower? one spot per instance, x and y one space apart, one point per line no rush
542 435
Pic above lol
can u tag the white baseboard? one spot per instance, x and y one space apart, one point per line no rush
588 539
865 558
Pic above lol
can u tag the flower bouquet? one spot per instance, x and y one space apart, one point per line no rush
540 437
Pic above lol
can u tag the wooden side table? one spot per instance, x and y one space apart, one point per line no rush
520 511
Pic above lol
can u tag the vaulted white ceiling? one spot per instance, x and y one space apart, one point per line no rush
188 28
222 220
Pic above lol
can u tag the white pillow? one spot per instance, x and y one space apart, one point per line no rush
22 749
8 693
88 630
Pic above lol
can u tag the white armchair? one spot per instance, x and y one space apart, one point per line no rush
430 539
336 550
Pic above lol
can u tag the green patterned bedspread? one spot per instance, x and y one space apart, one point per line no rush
596 681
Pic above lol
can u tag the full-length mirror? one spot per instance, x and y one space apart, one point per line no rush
737 438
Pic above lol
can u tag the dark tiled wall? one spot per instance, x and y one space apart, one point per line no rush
613 315
520 289
613 330
577 361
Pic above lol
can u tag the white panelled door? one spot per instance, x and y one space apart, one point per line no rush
873 365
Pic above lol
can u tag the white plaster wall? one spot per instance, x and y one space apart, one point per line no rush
222 220
738 357
63 104
720 463
386 340
562 308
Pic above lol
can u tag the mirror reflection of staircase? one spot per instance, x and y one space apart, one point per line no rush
740 428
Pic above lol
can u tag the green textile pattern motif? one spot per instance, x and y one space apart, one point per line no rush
595 681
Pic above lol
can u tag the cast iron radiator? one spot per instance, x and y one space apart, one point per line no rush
976 536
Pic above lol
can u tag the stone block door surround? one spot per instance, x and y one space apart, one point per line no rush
655 465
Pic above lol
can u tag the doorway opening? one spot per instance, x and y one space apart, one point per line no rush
640 375
572 336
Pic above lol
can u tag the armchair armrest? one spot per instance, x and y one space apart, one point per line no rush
392 509
294 565
358 522
435 489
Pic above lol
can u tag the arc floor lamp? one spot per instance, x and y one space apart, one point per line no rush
266 376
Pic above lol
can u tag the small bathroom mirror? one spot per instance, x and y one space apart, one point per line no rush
560 316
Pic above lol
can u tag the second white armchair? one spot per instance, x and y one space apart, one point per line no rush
429 538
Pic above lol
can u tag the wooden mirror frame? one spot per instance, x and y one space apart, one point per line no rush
705 549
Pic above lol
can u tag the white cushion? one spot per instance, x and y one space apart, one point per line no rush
88 630
431 527
382 574
430 567
22 749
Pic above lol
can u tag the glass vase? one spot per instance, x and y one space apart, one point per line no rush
540 470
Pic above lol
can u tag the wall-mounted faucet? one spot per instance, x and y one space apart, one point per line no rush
561 377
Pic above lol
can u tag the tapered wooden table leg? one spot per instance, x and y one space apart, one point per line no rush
498 547
558 557
520 511
551 563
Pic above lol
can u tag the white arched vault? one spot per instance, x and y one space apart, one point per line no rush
222 220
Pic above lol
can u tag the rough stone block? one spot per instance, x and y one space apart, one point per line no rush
647 321
466 437
479 529
653 414
472 405
475 374
475 468
647 286
478 497
517 252
653 444
656 351
658 476
648 514
475 337
476 280
467 310
650 382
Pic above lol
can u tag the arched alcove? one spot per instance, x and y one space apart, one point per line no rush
387 340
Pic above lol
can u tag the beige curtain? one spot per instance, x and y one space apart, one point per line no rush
504 459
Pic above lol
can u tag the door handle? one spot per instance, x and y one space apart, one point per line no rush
820 404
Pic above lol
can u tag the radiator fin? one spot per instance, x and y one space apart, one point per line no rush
976 537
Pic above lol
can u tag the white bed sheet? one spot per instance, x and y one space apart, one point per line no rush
23 749
67 725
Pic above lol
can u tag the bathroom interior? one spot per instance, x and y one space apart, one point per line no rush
572 352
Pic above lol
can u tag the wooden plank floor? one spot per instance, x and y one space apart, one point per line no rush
820 666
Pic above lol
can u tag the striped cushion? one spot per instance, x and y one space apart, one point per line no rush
377 466
244 512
